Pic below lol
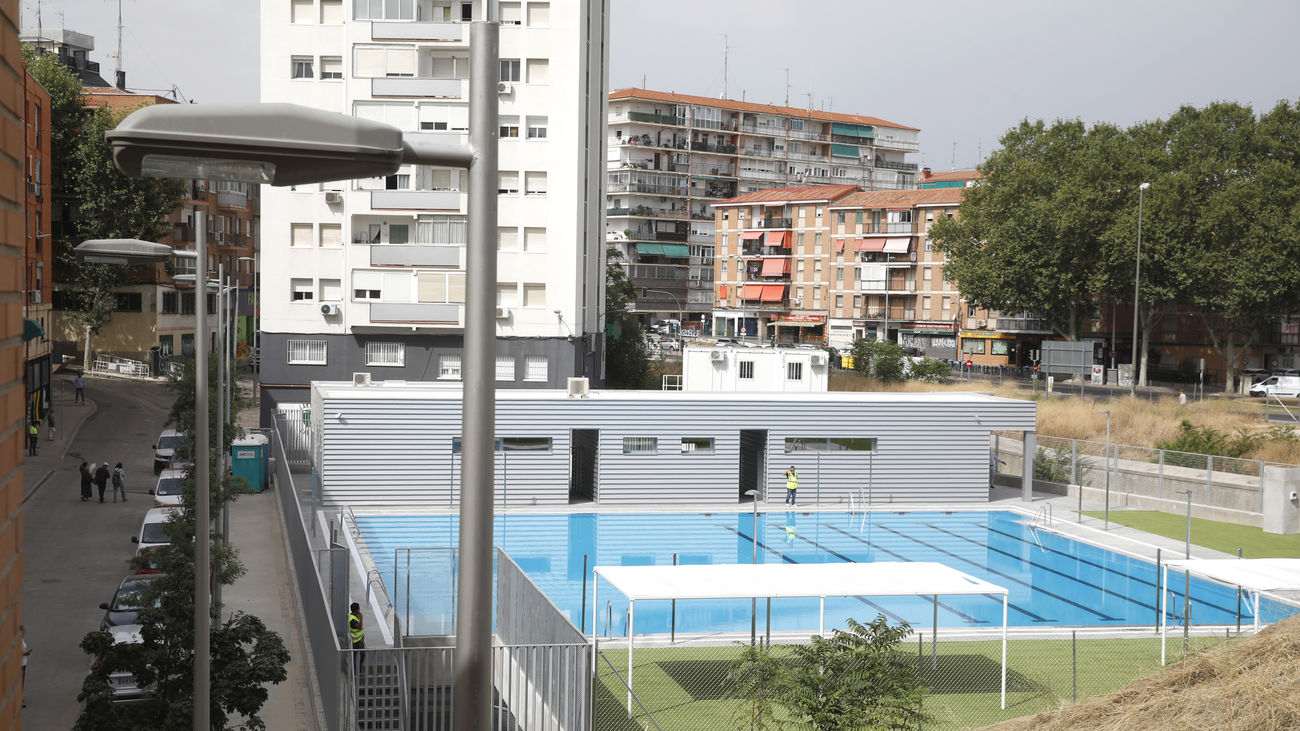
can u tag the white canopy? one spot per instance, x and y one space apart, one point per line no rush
732 581
738 581
1255 574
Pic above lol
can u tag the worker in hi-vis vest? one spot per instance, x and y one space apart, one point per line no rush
357 633
791 484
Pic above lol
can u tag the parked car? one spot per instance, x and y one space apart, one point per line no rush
124 684
167 493
126 602
153 529
164 450
146 561
1277 386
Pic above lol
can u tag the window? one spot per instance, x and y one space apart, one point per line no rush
305 352
534 240
640 445
537 128
331 234
331 290
385 354
839 301
794 371
449 366
301 67
510 69
505 368
509 128
383 9
1000 347
300 234
187 303
534 295
398 233
367 285
746 369
331 67
510 12
539 71
697 445
535 183
170 302
839 217
507 295
539 14
536 368
830 444
331 11
508 183
507 239
972 346
300 290
376 62
301 11
128 302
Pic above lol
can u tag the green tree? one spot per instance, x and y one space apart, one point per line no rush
65 113
627 363
859 678
930 370
879 359
755 678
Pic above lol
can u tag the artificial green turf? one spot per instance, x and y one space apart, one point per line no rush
683 687
1225 537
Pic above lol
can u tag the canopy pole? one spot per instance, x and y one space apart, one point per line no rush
821 624
1256 610
595 620
1164 611
1004 651
631 623
934 636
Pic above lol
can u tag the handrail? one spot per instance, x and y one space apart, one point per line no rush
649 717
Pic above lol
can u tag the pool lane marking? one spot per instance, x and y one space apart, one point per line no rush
787 559
1007 576
994 598
1100 567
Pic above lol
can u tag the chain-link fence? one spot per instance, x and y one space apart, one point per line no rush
697 686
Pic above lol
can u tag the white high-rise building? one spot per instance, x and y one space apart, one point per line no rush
369 275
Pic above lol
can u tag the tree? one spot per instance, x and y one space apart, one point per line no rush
930 370
627 364
859 678
65 113
879 359
756 678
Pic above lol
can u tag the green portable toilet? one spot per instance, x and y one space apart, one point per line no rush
250 459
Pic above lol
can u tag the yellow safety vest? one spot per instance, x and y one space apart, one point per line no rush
792 480
358 633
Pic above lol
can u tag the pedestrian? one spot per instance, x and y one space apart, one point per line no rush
994 461
27 650
101 479
119 482
85 482
357 633
791 484
80 384
31 438
1182 398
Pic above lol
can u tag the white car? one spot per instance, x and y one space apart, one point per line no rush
164 450
167 494
125 686
153 531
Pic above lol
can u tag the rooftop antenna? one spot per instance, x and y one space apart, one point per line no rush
979 152
725 52
118 70
954 156
787 86
830 100
642 81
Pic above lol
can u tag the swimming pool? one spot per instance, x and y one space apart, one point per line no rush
1053 580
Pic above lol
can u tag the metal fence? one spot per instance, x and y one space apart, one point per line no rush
113 366
1126 470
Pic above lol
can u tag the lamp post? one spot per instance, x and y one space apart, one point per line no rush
254 338
1187 575
1187 547
286 144
1107 508
753 601
1137 280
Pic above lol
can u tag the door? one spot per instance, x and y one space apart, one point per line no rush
583 467
753 463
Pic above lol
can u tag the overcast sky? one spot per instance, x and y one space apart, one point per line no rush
961 71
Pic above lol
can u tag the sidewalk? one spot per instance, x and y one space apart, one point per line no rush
52 455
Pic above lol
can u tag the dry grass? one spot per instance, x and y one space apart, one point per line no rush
1253 684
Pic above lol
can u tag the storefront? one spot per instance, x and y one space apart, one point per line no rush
735 324
988 347
933 340
798 329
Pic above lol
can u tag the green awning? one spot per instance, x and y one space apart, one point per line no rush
844 151
681 250
32 329
647 249
852 130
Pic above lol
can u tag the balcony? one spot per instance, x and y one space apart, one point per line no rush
729 124
650 118
808 156
648 212
232 199
720 149
434 313
760 152
755 129
773 223
891 165
897 144
182 233
896 286
898 227
631 186
801 134
410 255
417 200
899 314
419 86
1023 324
419 31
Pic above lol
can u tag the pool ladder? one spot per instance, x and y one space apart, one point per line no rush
1042 518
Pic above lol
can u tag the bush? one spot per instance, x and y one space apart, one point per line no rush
1052 466
930 370
1208 440
879 359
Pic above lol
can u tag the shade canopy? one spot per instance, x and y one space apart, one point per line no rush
776 267
870 245
898 245
777 238
1255 574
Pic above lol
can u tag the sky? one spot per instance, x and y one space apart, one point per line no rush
962 71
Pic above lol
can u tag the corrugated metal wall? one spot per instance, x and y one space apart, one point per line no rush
389 448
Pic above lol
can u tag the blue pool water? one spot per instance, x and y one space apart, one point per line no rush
1053 580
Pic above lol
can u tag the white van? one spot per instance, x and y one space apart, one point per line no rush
1279 386
153 530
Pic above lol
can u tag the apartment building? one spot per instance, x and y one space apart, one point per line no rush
38 250
369 275
670 156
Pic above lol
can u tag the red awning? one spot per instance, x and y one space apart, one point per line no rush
777 238
722 292
751 236
870 245
775 267
752 292
773 292
839 245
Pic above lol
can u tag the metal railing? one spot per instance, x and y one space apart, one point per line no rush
115 367
891 165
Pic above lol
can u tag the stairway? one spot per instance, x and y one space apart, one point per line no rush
378 694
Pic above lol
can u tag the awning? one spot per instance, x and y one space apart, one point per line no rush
839 245
31 329
1252 574
776 267
773 292
648 249
751 292
777 238
898 245
722 292
795 323
751 236
676 250
870 245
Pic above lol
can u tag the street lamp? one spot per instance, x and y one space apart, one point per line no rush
286 144
1187 575
1137 279
121 252
257 300
753 601
1107 513
1187 548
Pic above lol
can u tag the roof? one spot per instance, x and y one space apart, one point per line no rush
707 101
730 581
951 175
799 194
902 198
1255 574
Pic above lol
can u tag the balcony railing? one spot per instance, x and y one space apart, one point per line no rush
663 274
430 255
419 86
419 200
806 156
726 124
760 152
896 286
902 227
897 144
419 31
651 118
803 134
1023 324
648 212
232 199
652 188
891 165
720 149
437 313
757 129
773 223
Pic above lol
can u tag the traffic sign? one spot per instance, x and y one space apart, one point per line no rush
969 363
1112 354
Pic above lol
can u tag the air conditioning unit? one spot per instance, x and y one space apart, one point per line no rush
982 323
578 387
360 379
717 356
333 197
502 313
818 359
504 87
329 310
